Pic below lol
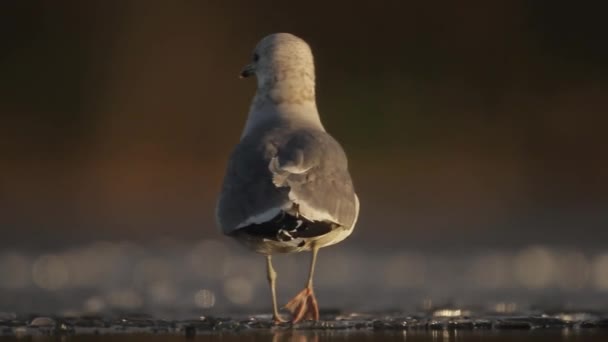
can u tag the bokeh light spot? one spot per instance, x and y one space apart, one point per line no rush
125 299
50 272
204 299
574 270
94 304
534 267
238 290
600 272
14 271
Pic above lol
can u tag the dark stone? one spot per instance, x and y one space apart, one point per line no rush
190 331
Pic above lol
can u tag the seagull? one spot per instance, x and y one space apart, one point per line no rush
287 187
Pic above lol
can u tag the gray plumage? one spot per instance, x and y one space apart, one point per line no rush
285 161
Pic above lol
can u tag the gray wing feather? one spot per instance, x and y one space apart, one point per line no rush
314 167
247 189
281 167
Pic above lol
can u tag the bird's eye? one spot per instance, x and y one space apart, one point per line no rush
256 57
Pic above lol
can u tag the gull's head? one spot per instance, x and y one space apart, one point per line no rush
283 65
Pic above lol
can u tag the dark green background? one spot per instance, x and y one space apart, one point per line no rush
475 122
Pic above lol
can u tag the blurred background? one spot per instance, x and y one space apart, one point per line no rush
475 130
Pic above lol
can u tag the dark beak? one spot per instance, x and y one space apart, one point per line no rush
248 70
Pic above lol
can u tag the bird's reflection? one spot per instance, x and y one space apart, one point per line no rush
295 336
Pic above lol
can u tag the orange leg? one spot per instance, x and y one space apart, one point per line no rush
304 304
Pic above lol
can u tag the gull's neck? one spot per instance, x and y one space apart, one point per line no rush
286 99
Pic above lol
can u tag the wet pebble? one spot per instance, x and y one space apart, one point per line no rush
512 324
461 324
435 325
43 322
596 323
7 316
482 324
530 322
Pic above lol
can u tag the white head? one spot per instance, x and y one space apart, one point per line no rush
284 67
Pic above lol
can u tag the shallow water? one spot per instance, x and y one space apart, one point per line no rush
354 327
317 336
